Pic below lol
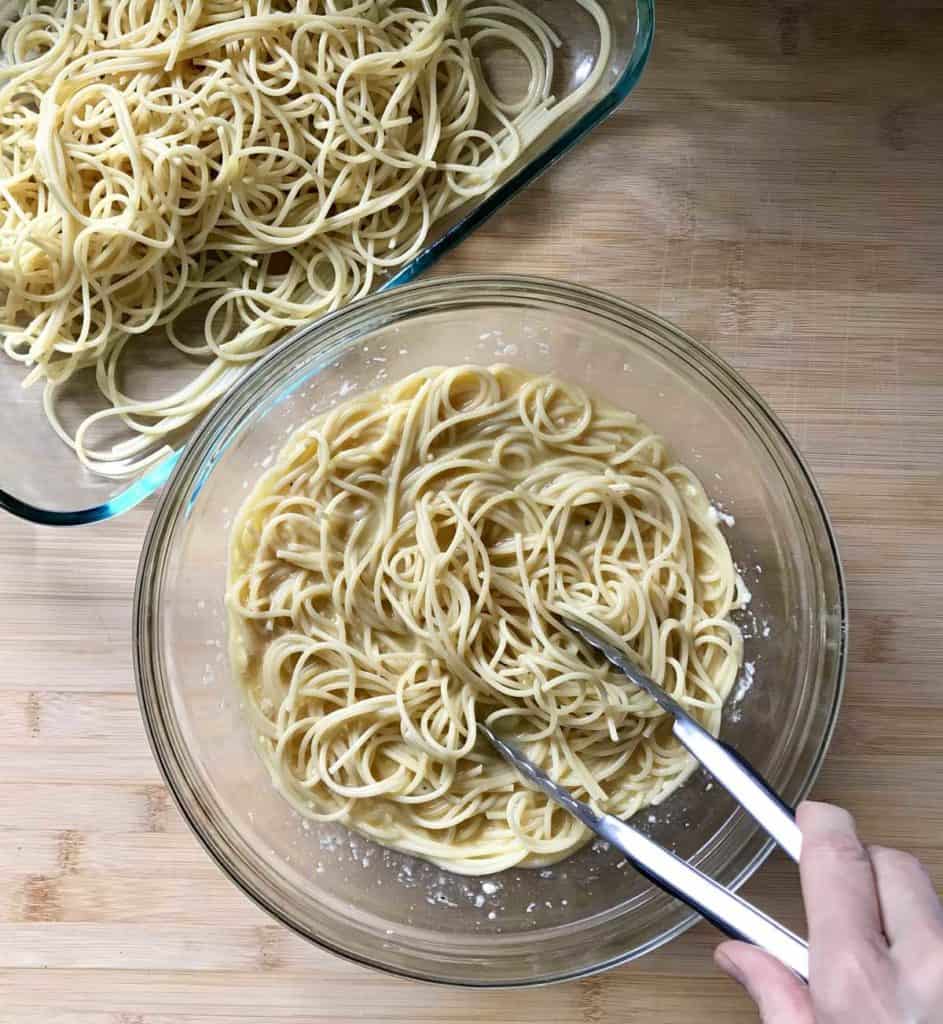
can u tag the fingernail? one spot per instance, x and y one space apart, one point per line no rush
728 966
821 817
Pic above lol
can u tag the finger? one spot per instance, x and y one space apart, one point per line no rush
838 885
908 900
779 995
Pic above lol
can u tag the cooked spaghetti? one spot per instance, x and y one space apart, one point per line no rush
249 163
399 573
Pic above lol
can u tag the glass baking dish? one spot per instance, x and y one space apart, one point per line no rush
40 478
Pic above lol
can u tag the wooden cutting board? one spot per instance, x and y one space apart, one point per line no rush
773 186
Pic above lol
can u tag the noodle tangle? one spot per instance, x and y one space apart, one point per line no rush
398 574
221 171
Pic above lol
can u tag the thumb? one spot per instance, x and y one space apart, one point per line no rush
780 996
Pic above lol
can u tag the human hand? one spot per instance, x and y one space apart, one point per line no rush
875 935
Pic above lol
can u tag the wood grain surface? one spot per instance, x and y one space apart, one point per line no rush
774 186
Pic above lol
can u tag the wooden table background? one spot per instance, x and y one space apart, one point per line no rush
774 186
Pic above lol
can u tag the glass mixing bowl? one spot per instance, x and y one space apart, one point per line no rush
398 913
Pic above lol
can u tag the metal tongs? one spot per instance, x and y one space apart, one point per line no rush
723 908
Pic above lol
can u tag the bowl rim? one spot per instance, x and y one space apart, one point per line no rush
338 329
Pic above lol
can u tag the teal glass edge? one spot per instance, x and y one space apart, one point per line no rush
156 477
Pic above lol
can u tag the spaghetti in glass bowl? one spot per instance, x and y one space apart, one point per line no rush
391 909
